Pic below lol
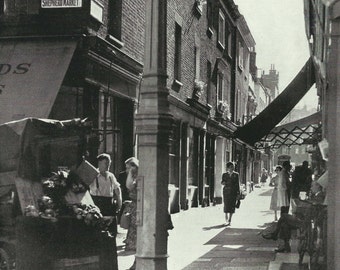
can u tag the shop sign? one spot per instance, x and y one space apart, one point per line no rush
61 3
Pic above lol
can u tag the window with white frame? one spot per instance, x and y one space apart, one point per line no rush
240 55
221 29
197 53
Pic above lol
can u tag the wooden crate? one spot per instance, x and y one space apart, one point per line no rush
84 263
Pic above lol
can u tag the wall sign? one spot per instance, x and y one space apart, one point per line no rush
61 3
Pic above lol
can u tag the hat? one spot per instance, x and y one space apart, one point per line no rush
132 161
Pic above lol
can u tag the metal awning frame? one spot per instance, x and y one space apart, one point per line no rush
285 137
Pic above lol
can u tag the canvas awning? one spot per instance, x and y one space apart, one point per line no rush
263 123
31 73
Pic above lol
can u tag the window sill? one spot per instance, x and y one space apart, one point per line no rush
210 32
198 9
220 45
115 41
176 85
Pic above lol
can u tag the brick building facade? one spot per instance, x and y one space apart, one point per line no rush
207 43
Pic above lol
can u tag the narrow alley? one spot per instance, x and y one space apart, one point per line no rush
201 241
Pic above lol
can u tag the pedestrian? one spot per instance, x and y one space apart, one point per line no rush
105 190
231 191
283 188
132 165
122 176
106 194
273 201
301 179
264 177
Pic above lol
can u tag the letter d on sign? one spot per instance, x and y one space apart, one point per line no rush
4 69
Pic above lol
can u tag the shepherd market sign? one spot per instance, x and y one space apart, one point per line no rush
61 3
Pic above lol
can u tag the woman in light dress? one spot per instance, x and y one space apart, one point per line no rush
282 192
273 201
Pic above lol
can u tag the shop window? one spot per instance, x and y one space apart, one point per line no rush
115 19
221 29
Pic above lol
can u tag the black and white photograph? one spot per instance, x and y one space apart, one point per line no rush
169 134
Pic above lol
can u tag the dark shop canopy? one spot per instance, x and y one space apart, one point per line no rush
31 73
272 115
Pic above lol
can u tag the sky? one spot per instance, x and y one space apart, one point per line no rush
278 28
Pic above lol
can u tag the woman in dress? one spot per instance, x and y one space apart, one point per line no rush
282 194
231 190
273 201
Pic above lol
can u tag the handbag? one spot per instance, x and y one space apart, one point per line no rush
125 220
238 203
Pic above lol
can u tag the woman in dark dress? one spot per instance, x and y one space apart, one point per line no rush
231 190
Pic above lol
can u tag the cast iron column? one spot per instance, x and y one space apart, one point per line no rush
332 111
153 123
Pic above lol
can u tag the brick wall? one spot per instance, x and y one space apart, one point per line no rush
195 26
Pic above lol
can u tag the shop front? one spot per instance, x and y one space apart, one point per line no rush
63 78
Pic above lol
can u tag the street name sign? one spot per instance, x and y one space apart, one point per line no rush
61 3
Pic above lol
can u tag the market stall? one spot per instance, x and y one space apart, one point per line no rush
49 214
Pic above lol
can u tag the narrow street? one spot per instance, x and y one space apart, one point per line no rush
201 241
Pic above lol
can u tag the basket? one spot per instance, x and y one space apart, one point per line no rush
304 209
87 172
84 263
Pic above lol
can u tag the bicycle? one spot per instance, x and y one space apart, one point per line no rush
313 234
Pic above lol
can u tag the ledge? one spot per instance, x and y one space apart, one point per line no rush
199 106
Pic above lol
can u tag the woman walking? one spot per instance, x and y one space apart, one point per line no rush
231 190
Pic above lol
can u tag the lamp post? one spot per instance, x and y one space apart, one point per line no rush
153 127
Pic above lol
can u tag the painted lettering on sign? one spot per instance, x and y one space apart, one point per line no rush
61 3
6 69
21 68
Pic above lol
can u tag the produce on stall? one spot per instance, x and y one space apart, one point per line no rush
50 220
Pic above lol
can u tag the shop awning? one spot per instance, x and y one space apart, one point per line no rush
31 73
263 123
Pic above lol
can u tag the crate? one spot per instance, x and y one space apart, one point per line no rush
87 172
84 263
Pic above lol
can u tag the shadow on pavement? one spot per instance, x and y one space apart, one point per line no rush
214 227
236 248
267 193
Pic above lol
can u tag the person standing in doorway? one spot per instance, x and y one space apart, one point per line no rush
231 190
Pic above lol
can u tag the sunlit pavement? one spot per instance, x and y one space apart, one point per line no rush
201 241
